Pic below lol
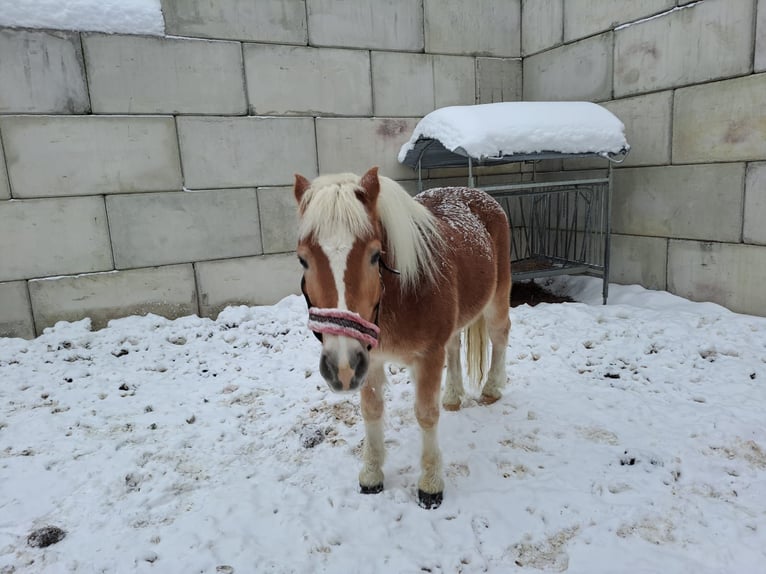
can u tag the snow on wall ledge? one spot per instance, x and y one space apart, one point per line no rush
506 128
112 16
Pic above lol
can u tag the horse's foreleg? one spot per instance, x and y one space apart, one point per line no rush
453 387
428 379
371 475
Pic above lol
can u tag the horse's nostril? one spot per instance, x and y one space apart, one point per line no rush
356 359
361 362
328 368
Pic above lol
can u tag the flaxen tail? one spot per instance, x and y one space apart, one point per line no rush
477 351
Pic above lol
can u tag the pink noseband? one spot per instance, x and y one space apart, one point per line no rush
344 323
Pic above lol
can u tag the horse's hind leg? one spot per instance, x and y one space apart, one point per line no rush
371 475
453 387
499 325
428 380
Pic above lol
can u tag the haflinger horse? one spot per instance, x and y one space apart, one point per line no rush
392 278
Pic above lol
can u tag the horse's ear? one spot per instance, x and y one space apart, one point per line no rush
371 185
301 185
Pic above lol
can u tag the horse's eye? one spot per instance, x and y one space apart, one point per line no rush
303 262
375 259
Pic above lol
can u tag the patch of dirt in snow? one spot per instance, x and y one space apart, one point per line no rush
599 435
654 529
548 554
747 450
531 293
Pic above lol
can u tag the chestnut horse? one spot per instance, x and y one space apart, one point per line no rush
388 277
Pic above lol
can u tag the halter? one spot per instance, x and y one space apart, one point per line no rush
347 323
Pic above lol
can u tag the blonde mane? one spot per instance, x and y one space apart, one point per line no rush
330 207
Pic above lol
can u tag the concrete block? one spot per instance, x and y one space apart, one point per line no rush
498 80
278 21
542 25
636 260
755 204
42 237
146 75
357 144
478 28
41 72
416 84
403 84
167 291
245 152
5 188
732 275
579 71
721 121
454 81
84 155
582 18
760 37
261 280
279 219
370 24
707 40
150 229
15 311
647 127
689 201
322 81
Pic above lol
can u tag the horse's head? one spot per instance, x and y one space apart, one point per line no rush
339 247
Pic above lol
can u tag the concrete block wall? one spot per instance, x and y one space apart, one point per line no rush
689 82
153 174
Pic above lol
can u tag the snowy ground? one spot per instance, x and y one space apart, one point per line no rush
632 438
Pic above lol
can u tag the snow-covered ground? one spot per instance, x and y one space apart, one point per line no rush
115 16
631 438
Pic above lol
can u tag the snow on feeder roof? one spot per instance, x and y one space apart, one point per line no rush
514 131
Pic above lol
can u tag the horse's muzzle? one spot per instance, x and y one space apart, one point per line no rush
344 371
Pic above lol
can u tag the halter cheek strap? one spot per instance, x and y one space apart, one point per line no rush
345 323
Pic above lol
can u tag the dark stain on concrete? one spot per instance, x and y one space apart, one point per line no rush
737 132
391 128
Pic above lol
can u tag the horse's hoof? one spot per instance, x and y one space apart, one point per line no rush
374 489
488 400
430 500
451 407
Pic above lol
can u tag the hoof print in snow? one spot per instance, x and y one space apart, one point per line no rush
132 482
120 353
612 376
150 557
45 536
124 387
311 436
627 460
224 569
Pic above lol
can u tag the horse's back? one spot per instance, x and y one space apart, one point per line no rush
473 219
